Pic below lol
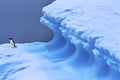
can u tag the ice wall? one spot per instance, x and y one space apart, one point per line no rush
86 36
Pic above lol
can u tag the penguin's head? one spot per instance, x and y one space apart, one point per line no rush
10 38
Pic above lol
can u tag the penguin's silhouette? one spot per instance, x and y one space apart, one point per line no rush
12 42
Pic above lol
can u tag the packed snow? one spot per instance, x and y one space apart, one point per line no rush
85 45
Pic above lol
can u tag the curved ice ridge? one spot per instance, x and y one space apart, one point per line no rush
80 36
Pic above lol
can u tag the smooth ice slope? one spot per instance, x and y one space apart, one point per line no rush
85 45
26 62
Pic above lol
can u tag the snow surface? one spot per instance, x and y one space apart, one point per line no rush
85 45
26 63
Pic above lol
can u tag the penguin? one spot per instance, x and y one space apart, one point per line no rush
12 42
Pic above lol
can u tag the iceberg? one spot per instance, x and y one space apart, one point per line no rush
92 30
85 44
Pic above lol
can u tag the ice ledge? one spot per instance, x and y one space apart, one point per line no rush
93 22
88 27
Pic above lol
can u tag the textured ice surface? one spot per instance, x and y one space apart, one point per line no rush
85 45
92 21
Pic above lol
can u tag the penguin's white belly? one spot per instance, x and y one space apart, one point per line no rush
12 43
